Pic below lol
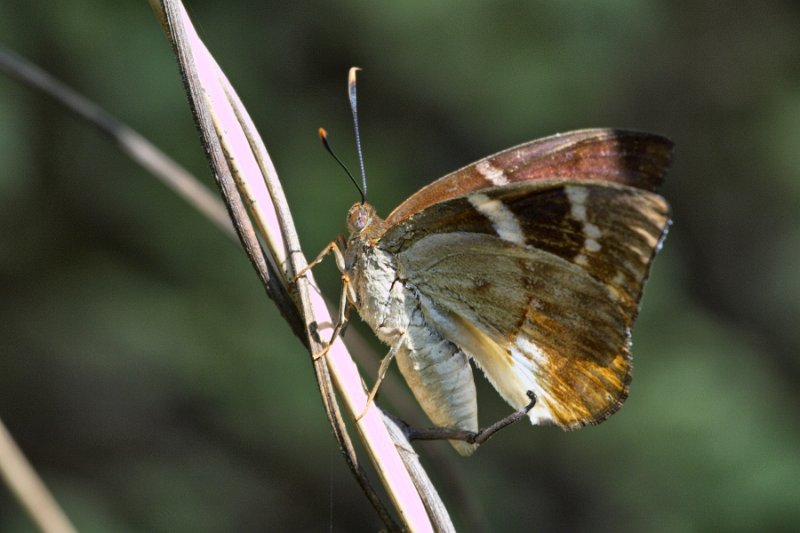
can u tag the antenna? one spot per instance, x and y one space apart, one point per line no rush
351 93
323 136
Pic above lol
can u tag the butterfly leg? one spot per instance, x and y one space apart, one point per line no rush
347 297
472 437
348 292
333 248
385 362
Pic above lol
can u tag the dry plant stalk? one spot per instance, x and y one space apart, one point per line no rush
29 489
249 184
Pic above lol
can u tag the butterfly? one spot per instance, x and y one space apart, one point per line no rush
530 263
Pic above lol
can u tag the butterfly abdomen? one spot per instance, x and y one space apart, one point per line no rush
437 372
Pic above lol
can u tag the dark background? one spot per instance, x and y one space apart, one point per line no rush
152 383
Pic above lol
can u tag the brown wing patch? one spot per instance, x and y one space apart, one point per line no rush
625 157
613 233
584 378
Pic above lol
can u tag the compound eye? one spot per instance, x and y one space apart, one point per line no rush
359 217
363 218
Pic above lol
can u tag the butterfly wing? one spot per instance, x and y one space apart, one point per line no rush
632 158
539 283
611 231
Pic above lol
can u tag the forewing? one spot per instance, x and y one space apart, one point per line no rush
611 232
625 157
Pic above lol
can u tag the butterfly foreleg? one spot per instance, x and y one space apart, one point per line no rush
471 437
331 248
347 297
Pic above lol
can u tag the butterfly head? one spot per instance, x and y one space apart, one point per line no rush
363 221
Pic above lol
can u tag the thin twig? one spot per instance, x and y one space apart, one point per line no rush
29 489
131 142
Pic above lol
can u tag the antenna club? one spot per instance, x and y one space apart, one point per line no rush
323 135
351 93
351 77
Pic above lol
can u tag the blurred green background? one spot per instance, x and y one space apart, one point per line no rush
152 383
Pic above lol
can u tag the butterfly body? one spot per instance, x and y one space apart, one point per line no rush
436 370
531 263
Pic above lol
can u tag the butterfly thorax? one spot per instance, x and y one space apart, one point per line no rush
380 298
